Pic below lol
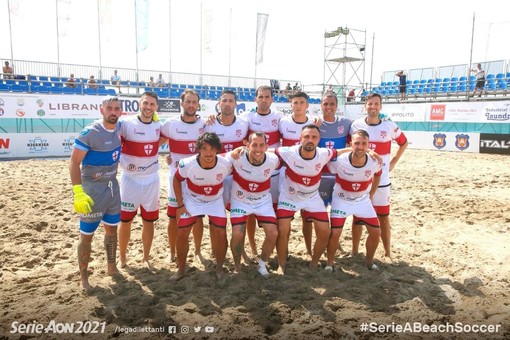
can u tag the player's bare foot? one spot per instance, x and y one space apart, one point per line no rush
237 268
122 262
112 270
85 285
200 259
220 273
177 276
147 264
281 270
314 267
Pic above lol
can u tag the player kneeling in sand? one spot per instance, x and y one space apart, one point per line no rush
357 179
204 175
251 195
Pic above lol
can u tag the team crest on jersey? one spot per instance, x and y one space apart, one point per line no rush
238 133
330 144
228 147
340 130
158 132
207 190
200 131
318 167
192 147
219 177
115 155
148 148
274 122
306 180
239 194
181 163
439 140
267 172
356 186
462 142
85 132
253 186
368 173
383 134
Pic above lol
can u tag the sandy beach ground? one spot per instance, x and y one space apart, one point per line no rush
451 242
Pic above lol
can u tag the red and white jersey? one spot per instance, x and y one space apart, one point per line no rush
203 185
303 176
290 130
231 136
140 145
182 138
381 136
251 183
267 124
353 183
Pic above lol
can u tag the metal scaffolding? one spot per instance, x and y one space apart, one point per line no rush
344 60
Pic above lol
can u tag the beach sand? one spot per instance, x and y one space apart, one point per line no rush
451 244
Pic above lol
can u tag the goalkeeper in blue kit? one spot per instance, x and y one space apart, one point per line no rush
93 169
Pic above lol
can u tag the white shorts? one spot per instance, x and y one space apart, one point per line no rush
136 191
312 204
264 208
342 208
172 201
212 208
381 200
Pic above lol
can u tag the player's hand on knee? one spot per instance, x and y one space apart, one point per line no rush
83 203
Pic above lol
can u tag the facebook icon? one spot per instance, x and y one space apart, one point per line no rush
172 329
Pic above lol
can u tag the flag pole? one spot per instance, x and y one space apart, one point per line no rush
10 31
170 40
58 40
99 39
136 41
230 47
201 38
256 48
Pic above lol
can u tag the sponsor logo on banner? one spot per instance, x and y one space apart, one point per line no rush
68 144
20 113
495 143
439 140
497 114
41 113
40 102
462 142
38 145
169 105
437 111
4 146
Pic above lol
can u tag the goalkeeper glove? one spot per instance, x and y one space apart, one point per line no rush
82 202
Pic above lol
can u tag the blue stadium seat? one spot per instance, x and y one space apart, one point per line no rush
4 87
67 90
502 85
111 92
55 90
19 88
43 78
90 91
102 92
